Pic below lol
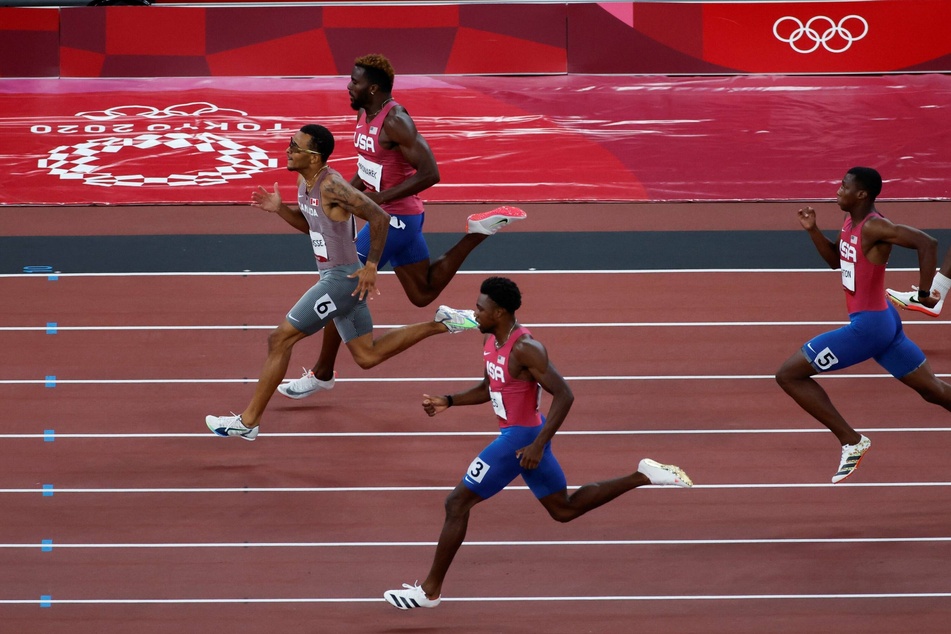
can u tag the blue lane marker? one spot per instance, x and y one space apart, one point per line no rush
47 490
47 546
51 380
51 327
49 435
46 601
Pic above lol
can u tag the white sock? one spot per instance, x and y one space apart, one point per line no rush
942 284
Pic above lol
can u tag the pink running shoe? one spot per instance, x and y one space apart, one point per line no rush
489 222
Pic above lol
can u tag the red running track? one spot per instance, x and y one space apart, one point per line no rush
157 526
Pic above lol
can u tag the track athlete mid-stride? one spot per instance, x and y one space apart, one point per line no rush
395 164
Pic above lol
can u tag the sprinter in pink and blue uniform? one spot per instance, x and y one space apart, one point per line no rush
517 369
874 330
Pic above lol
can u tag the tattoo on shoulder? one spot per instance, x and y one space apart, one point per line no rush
345 195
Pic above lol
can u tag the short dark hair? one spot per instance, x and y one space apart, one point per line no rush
868 179
321 140
503 292
378 70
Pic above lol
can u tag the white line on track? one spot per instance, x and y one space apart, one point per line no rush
469 434
143 490
444 379
629 324
826 271
668 597
540 543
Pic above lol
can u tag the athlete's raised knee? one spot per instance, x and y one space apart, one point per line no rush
563 515
421 297
559 507
365 360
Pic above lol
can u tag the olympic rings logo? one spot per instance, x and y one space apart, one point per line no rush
822 39
191 109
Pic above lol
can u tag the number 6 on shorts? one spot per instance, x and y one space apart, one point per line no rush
324 306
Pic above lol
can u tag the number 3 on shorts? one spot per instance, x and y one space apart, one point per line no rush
477 470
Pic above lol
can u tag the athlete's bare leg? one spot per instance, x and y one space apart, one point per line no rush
564 508
929 386
560 506
453 533
279 345
795 377
368 352
329 347
423 281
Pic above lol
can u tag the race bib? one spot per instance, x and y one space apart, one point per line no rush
848 275
477 470
825 360
369 172
320 246
497 406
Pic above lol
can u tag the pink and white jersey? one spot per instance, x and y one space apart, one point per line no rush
380 168
864 282
515 401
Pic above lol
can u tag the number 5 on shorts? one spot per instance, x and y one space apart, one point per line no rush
826 359
477 470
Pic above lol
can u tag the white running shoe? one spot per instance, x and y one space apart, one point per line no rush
664 474
231 426
411 596
851 457
306 385
456 320
489 222
908 300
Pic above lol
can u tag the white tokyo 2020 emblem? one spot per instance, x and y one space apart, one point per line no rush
835 38
221 156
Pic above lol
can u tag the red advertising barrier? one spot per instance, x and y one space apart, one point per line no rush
872 36
496 139
666 38
309 40
29 42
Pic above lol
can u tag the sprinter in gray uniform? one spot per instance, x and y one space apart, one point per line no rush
327 205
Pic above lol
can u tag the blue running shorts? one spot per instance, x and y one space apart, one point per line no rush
874 334
498 465
404 242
